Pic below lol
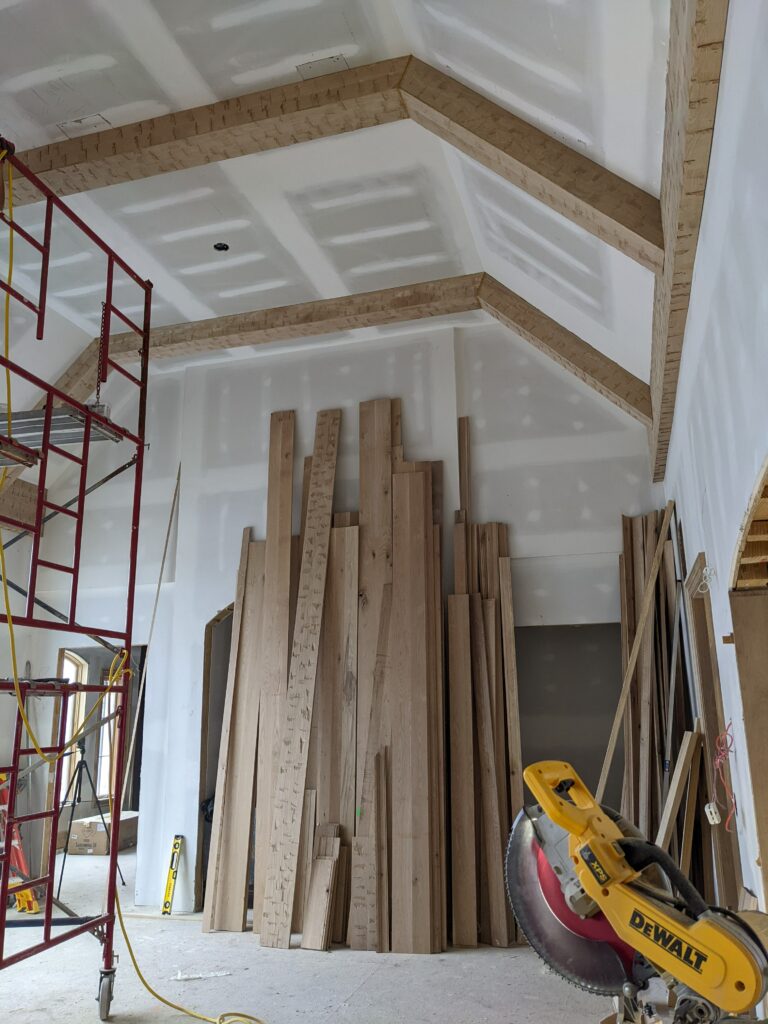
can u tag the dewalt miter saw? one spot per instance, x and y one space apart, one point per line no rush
609 911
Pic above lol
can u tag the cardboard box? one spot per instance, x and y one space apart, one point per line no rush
90 838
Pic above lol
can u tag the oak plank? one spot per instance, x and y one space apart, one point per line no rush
276 636
213 897
463 863
294 737
488 788
412 869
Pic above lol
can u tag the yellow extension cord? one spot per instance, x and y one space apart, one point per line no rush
116 670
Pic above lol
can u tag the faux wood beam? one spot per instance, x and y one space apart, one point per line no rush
259 121
307 319
606 205
576 355
697 32
374 309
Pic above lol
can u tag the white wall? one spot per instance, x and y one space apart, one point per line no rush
720 437
550 457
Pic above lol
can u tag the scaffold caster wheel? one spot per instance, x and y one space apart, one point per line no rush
106 988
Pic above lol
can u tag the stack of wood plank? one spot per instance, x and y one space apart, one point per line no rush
330 812
486 784
671 710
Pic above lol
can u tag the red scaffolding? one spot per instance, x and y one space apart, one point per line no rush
90 421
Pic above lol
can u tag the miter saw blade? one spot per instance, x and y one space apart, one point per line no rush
584 951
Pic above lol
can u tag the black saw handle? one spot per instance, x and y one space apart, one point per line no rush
641 854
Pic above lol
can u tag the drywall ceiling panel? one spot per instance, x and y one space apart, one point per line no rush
548 453
582 282
381 231
61 61
363 211
240 47
589 72
180 218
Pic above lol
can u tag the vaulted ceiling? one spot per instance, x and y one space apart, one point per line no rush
417 171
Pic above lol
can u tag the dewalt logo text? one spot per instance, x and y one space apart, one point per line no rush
672 943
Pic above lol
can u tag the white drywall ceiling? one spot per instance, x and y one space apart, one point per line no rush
388 205
591 73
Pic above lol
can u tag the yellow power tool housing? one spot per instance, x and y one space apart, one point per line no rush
720 957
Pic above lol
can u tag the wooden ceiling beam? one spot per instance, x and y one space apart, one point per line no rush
402 304
306 319
697 33
606 205
270 119
611 380
602 203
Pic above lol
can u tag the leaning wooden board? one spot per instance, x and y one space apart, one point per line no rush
212 894
276 635
334 725
294 741
375 566
412 872
488 789
463 861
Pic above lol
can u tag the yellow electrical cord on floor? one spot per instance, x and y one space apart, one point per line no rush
116 671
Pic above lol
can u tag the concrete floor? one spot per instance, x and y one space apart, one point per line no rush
482 986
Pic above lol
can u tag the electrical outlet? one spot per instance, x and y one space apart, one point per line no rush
713 814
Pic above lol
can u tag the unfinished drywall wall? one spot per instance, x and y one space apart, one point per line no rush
720 437
550 457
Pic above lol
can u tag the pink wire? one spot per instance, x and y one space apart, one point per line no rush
724 745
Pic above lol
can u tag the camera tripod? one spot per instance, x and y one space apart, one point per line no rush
75 787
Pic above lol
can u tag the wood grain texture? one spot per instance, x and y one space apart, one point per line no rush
335 708
362 930
750 633
696 37
677 788
375 559
401 304
709 699
18 501
304 870
294 736
212 895
412 870
463 863
256 122
601 202
276 630
370 309
604 204
629 671
514 752
751 568
277 566
607 377
382 801
492 836
320 902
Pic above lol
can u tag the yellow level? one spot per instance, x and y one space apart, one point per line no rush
173 870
